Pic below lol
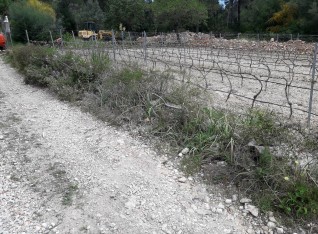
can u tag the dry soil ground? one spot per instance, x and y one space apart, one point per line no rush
63 171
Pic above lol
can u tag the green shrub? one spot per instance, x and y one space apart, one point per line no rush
263 127
25 17
301 200
33 62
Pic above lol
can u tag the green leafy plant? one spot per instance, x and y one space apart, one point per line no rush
301 200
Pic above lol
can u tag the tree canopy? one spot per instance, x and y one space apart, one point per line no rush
179 14
283 16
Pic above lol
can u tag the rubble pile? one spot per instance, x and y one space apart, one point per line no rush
204 40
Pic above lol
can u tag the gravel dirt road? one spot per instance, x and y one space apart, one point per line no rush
63 171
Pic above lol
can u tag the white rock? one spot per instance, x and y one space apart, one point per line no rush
112 225
271 225
234 197
180 154
245 200
279 230
221 163
219 210
228 231
1 137
252 209
182 180
272 219
185 150
203 212
221 206
228 201
45 225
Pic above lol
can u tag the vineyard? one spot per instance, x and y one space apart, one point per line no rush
238 73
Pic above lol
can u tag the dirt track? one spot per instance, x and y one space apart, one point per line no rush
63 171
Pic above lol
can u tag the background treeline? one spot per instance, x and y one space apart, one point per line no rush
253 16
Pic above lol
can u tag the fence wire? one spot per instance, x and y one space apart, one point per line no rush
240 72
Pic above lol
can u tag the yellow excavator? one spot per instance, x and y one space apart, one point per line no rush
90 33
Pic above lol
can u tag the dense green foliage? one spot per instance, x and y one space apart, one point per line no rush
24 16
250 16
179 14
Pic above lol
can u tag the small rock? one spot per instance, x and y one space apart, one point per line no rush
1 137
279 230
219 210
180 154
250 231
203 212
252 209
194 207
271 225
234 197
228 201
265 228
45 225
221 206
185 150
182 180
112 225
228 231
221 163
270 214
245 200
272 219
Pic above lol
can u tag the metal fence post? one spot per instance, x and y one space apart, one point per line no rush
51 38
74 39
312 84
61 36
27 35
113 43
145 46
129 38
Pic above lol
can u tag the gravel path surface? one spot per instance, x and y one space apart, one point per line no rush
63 171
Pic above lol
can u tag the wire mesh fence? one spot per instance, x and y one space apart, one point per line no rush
273 71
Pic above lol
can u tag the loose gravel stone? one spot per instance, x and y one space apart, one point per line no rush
182 179
271 225
245 200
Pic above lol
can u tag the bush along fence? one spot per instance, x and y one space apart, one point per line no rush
240 70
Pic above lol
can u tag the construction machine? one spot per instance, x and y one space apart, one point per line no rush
90 33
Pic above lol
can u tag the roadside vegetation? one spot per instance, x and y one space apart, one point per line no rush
273 162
